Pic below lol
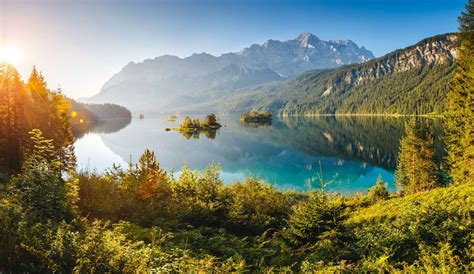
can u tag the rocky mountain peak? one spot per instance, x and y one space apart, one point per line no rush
164 78
308 40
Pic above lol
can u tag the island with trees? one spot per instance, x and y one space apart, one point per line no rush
193 127
209 123
256 117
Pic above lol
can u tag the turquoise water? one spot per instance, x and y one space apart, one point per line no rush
353 151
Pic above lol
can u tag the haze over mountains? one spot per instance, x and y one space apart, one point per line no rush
169 82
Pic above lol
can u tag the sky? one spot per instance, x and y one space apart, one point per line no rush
79 44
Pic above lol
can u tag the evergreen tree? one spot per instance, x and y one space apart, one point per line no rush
11 89
42 193
40 150
379 191
416 167
187 123
211 121
459 119
316 225
49 111
61 131
154 191
196 123
150 174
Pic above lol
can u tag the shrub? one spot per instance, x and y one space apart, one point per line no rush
379 191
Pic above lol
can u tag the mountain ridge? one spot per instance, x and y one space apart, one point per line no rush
418 73
163 79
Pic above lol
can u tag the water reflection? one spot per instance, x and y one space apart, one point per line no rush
196 134
102 126
352 150
264 124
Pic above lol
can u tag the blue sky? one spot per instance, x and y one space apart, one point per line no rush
81 44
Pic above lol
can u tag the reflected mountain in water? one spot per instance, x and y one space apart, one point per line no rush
352 150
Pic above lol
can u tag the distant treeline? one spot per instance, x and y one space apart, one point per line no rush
87 117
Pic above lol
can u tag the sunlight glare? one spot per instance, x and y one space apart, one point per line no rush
11 55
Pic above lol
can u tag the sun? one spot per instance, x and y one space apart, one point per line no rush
11 55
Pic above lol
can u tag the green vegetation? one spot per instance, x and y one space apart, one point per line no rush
31 105
256 119
255 116
417 169
459 121
194 127
143 219
209 123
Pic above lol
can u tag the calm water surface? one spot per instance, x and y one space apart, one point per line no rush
353 151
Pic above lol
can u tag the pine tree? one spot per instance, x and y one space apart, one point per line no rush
40 151
152 177
416 167
61 130
11 88
196 123
40 189
379 191
316 225
211 121
459 119
38 103
187 123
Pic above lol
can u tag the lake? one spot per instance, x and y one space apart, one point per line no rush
352 151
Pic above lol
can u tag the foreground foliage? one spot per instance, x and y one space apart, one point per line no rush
143 219
459 120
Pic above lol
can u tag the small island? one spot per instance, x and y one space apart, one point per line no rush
193 127
256 117
209 123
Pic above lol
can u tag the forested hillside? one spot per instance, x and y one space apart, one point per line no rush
413 80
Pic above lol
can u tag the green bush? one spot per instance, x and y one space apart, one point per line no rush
379 191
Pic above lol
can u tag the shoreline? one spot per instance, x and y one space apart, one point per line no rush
363 114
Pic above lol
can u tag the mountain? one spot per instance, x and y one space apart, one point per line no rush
168 81
406 81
